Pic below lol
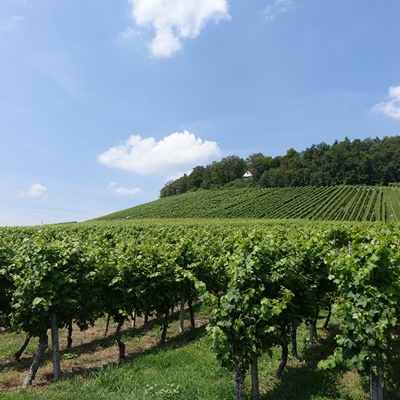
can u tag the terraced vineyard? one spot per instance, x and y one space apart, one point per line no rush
341 203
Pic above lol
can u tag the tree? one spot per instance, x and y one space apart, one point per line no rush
196 178
257 163
229 169
386 160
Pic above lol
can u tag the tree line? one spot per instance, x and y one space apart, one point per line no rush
358 162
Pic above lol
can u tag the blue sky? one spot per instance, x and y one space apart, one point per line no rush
103 102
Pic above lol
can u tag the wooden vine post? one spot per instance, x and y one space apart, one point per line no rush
55 347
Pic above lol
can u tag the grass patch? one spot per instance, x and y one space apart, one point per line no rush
184 368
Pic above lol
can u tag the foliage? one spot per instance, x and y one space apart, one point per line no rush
247 319
359 162
263 279
216 175
368 278
50 276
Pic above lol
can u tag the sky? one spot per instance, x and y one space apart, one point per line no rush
104 102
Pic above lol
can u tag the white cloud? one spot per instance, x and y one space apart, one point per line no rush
10 23
35 190
176 20
124 189
390 108
277 8
174 155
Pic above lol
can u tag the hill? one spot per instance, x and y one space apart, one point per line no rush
342 203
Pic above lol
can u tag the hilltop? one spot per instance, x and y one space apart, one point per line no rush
368 162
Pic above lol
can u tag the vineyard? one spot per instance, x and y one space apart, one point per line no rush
332 203
261 281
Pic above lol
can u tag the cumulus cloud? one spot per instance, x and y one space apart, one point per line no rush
390 108
175 20
123 189
35 190
277 8
10 23
172 156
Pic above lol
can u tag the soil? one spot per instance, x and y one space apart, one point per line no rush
90 351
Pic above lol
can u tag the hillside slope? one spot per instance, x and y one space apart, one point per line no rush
342 203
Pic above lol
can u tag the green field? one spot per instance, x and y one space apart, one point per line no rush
332 203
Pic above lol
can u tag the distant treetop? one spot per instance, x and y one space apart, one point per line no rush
358 162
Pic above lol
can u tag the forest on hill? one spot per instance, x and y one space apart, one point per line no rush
358 162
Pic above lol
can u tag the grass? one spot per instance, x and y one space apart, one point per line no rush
184 368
